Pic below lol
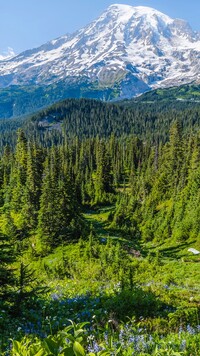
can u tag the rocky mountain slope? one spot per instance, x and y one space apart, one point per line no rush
127 49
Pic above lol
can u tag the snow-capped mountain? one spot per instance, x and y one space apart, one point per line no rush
9 53
129 49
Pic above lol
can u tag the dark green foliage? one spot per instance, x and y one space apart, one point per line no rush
89 118
6 271
188 93
148 120
55 179
59 214
16 101
156 186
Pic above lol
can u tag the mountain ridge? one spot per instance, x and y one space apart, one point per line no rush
127 49
16 102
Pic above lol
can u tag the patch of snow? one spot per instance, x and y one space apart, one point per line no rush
9 53
194 251
160 49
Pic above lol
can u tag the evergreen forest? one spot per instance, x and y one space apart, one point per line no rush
100 229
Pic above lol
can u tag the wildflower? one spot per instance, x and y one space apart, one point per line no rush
94 347
180 329
90 338
121 334
106 337
183 345
190 330
55 296
150 338
131 339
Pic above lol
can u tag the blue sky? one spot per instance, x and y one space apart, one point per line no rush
26 24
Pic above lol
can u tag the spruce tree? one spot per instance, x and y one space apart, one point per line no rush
7 278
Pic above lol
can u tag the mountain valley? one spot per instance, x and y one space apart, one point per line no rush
100 190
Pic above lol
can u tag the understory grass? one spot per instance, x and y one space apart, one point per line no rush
137 299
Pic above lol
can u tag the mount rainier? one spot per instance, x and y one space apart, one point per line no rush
126 51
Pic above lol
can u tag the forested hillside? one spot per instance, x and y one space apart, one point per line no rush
17 101
99 205
155 186
90 118
184 93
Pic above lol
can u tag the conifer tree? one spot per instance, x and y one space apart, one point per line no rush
32 189
59 215
6 270
19 174
104 179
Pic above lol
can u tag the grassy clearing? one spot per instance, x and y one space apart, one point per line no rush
146 304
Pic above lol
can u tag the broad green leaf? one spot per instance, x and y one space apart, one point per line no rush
41 352
78 332
67 328
79 339
19 349
70 337
68 351
78 349
16 346
51 345
81 325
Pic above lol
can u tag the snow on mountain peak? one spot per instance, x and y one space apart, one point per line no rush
137 11
9 53
136 47
119 7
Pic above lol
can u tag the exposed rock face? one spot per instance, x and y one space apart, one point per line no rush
129 48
